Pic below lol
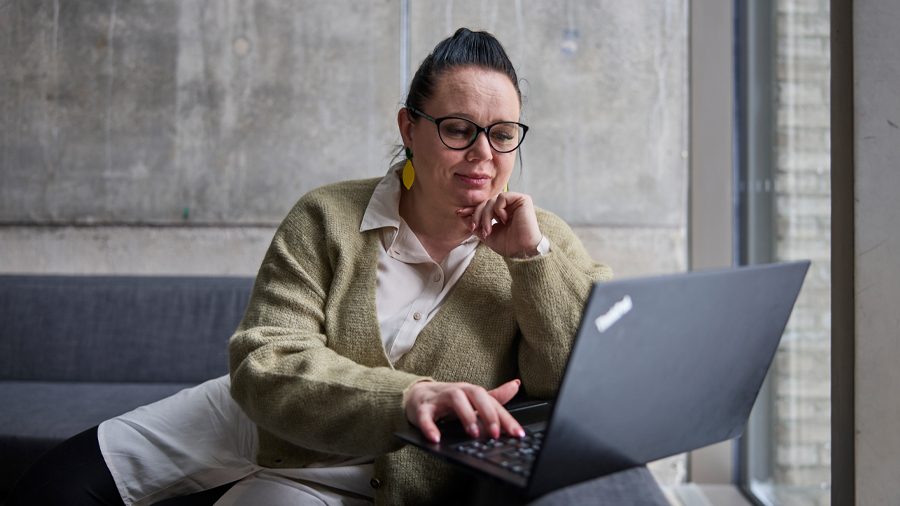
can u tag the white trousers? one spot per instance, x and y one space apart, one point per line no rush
199 439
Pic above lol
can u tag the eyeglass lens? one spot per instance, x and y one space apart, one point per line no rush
460 134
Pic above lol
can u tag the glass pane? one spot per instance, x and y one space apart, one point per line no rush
789 440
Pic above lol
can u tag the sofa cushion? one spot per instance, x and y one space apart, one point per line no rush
36 416
118 328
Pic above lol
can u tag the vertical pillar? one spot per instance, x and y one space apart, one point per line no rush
710 227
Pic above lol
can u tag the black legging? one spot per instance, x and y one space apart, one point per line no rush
75 474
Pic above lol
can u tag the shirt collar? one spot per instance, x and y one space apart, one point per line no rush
383 212
384 205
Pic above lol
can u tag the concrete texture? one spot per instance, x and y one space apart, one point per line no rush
189 251
239 250
201 113
634 252
876 142
190 111
605 87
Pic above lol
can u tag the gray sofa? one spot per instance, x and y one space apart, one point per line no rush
77 350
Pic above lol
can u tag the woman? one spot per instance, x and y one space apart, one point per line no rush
380 303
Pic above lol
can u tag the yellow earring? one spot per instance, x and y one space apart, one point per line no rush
409 172
506 188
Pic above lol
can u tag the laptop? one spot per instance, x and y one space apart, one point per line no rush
660 366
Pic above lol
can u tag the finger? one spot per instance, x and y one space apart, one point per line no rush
510 424
425 417
486 215
477 215
500 208
465 412
487 408
465 214
505 392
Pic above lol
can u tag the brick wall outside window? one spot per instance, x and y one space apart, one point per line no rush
802 446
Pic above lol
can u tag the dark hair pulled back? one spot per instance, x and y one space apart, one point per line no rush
464 48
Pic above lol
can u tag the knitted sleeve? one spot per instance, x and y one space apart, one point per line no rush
548 297
284 376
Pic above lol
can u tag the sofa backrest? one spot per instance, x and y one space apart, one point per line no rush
118 328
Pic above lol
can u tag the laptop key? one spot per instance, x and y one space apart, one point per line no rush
514 454
502 460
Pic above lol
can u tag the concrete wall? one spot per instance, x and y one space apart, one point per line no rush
876 186
170 124
865 245
170 112
204 119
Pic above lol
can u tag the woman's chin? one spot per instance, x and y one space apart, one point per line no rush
472 198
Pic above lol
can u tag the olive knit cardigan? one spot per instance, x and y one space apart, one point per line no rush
308 364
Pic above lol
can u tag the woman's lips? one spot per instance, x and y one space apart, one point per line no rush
474 179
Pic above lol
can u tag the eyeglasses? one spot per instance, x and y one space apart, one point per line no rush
460 133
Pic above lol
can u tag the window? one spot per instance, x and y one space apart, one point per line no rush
784 214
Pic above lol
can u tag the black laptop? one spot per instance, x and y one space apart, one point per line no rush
660 366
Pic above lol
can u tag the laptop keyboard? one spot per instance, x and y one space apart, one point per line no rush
514 454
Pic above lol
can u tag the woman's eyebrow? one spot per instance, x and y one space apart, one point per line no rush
469 117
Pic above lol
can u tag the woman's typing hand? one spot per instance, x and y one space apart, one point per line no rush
478 409
515 234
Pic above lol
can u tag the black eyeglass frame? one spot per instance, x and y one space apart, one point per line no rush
478 130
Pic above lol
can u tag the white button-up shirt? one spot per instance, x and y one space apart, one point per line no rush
411 286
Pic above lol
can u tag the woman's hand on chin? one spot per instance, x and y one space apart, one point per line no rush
515 234
478 409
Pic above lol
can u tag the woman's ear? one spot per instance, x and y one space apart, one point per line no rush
405 126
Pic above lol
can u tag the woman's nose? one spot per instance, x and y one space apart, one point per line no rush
481 148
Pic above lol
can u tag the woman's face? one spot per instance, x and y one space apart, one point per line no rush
467 177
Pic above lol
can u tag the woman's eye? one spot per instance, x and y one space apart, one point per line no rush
459 131
501 136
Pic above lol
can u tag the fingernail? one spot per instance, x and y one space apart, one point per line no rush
436 437
473 429
458 211
521 433
473 226
495 430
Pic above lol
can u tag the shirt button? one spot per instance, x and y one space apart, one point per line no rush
375 483
437 278
417 316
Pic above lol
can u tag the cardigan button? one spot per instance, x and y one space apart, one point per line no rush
375 483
